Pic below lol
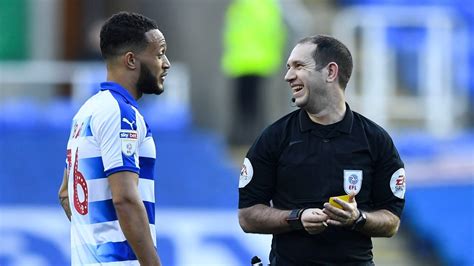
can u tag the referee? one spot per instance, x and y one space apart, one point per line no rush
322 150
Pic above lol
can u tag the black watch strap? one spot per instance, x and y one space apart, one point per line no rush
294 219
359 223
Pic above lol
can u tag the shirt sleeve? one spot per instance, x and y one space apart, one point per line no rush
116 133
258 174
389 178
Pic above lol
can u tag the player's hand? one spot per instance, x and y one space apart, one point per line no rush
342 217
314 220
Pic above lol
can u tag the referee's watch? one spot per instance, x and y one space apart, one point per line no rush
294 219
360 221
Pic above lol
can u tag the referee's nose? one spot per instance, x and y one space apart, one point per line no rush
290 75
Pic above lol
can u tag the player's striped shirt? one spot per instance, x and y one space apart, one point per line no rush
108 135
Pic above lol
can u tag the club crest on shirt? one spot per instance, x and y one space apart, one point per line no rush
129 141
397 183
352 181
246 173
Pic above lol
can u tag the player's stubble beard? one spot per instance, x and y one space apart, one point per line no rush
147 83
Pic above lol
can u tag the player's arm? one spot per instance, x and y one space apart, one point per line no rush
63 196
263 219
132 216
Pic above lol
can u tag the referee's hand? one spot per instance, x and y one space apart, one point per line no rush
314 220
342 217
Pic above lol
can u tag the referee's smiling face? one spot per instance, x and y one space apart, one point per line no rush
307 82
154 64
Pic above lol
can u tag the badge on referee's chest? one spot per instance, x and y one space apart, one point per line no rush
352 181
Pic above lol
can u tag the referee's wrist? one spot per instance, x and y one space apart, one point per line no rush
294 219
360 221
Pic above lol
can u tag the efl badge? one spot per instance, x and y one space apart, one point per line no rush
397 183
129 141
352 181
246 173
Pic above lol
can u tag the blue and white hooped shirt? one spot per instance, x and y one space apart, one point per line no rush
108 135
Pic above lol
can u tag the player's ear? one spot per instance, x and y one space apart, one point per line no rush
130 60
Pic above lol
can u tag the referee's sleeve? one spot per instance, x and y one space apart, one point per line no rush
258 173
389 178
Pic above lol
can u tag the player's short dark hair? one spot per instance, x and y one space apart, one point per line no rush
328 50
123 32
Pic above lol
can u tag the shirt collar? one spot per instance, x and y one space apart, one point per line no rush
345 125
115 87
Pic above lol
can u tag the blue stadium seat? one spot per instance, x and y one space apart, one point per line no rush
442 215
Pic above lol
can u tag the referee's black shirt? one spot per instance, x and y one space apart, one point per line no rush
297 163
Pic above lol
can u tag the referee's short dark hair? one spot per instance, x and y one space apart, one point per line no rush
329 49
124 31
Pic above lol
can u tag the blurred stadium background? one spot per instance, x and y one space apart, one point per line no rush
414 74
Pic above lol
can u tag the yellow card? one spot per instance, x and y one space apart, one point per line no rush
335 204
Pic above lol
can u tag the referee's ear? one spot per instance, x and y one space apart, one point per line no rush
130 61
333 71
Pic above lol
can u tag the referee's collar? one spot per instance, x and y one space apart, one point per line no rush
344 126
115 87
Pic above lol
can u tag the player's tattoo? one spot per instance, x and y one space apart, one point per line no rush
65 204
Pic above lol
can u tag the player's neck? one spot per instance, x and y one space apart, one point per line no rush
125 83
